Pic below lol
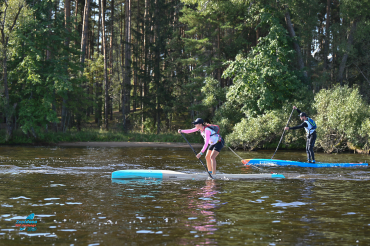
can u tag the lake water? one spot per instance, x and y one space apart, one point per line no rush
75 202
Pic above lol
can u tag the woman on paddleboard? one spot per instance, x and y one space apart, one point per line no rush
310 126
211 138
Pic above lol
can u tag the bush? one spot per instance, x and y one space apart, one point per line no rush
254 132
264 131
342 119
365 137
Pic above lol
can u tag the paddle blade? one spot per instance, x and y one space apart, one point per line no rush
245 161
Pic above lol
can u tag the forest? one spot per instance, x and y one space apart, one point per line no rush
154 66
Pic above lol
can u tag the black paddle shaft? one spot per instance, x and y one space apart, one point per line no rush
283 134
196 154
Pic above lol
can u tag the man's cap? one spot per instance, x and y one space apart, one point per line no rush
303 114
198 121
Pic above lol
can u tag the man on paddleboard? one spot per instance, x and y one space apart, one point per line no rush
310 126
211 138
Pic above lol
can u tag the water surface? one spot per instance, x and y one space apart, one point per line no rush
76 203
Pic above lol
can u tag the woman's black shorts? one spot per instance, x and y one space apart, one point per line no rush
218 146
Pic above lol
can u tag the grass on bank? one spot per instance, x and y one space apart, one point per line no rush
97 136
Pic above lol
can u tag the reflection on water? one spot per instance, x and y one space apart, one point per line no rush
76 203
203 202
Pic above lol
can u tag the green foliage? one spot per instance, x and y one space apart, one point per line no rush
214 95
9 13
149 126
365 134
94 73
264 85
254 132
39 77
226 117
342 116
264 80
178 57
36 96
216 32
355 9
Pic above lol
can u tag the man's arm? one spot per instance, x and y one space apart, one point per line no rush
304 124
299 111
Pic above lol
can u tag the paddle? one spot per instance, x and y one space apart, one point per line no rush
196 154
245 162
283 134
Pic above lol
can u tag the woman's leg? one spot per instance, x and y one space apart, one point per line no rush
208 160
213 156
212 153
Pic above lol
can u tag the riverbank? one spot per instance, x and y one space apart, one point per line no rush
128 144
114 138
99 136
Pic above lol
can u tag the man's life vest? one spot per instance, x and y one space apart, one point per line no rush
311 126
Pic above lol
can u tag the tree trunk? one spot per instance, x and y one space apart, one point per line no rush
345 56
145 52
127 66
8 113
296 45
67 6
85 29
99 25
219 72
67 16
327 35
112 45
98 89
138 57
157 76
76 22
5 34
335 19
105 65
122 66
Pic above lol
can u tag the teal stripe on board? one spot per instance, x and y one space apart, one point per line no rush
132 174
278 176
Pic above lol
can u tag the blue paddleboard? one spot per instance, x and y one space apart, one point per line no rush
270 162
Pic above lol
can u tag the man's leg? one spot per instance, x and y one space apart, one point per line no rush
312 144
308 149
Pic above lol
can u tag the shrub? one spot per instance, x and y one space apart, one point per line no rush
342 116
253 132
365 136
